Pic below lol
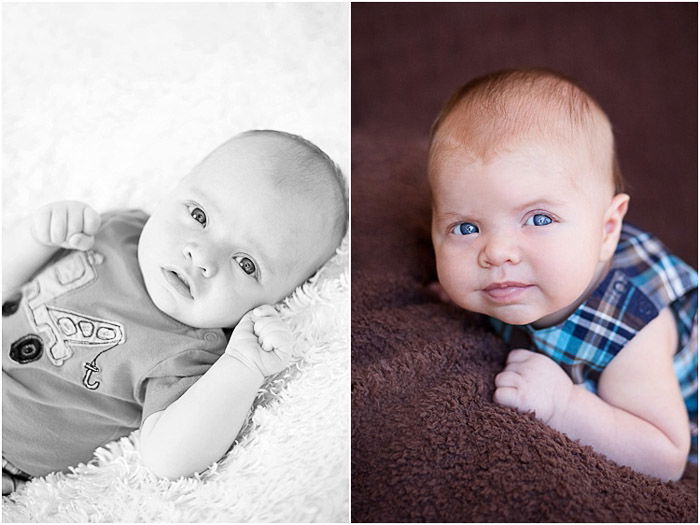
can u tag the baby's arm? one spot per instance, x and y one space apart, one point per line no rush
639 419
29 243
198 428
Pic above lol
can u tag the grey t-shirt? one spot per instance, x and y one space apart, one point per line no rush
87 356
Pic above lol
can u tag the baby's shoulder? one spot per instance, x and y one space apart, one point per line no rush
129 218
120 226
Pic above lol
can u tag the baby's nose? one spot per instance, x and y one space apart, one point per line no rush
498 251
200 257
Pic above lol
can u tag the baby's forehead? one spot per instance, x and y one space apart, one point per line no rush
485 129
583 151
483 142
257 153
509 104
284 165
279 192
542 167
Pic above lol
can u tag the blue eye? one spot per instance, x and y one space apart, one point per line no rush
539 219
198 215
465 228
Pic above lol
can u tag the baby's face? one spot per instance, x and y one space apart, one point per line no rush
519 237
226 240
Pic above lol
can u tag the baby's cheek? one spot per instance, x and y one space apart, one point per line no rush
566 277
454 275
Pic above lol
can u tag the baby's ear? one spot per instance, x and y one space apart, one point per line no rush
613 224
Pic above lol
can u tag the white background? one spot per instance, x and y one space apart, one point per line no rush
113 103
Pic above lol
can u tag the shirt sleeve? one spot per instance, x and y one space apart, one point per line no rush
169 379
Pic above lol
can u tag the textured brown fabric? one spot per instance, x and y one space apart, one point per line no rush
428 443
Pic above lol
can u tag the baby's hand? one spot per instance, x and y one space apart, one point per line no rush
262 341
66 224
532 381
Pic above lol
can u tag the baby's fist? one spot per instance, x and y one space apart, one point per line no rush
66 224
532 381
262 341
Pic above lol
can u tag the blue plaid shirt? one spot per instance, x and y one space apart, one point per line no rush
643 279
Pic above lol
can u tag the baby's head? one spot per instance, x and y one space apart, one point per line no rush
527 202
253 220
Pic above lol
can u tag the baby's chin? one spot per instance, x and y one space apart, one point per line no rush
518 315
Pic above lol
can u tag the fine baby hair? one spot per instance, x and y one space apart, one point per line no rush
308 170
490 111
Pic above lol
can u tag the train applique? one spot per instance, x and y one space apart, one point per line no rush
64 331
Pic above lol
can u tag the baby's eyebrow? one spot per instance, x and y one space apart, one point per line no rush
448 215
201 196
543 202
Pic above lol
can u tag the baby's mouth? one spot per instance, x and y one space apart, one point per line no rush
505 291
177 282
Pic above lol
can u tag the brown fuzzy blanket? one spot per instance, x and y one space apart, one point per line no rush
428 442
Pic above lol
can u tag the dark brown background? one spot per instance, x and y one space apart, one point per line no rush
428 443
638 60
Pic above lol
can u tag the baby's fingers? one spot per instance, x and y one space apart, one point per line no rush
264 310
69 224
91 221
506 396
508 378
83 223
276 340
507 389
273 333
58 226
41 225
80 241
263 324
519 355
243 338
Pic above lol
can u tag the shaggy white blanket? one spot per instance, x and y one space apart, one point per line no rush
112 104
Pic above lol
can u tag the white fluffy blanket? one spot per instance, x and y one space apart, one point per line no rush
112 104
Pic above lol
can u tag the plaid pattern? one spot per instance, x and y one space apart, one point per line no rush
644 278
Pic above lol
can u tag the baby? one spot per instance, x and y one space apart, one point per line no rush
116 322
528 229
